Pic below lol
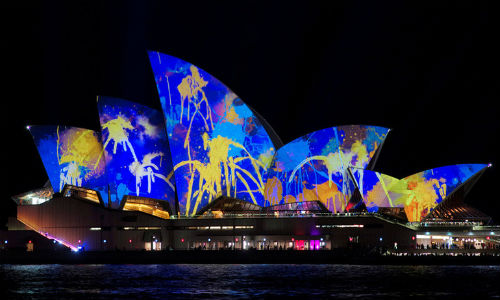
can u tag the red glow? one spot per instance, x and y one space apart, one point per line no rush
412 238
487 237
130 241
29 242
182 240
293 239
236 239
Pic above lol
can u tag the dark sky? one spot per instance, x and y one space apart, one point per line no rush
431 73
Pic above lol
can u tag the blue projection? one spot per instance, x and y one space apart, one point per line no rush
315 166
136 150
418 194
219 147
71 156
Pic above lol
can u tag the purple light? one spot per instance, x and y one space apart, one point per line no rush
315 232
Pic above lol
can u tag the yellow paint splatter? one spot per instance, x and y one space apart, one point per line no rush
273 191
117 133
78 148
421 198
220 165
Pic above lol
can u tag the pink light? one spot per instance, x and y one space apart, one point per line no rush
47 235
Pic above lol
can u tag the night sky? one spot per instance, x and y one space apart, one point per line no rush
431 73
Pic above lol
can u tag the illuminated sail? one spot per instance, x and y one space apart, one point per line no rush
218 145
136 151
418 194
315 166
72 156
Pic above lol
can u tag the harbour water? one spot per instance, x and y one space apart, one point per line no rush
239 281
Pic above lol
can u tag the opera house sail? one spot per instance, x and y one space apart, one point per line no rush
136 151
417 194
315 166
71 156
218 146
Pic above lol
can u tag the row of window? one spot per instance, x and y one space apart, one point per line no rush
371 225
340 226
219 227
108 228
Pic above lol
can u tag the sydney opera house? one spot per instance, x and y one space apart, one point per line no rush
208 172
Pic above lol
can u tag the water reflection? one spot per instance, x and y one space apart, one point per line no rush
246 281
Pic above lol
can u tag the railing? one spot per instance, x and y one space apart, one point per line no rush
446 224
489 227
273 215
296 215
491 251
